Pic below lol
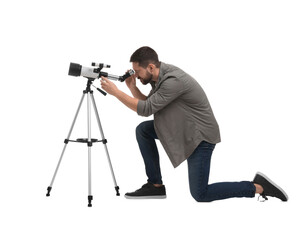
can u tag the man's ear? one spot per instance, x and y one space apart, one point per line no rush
151 67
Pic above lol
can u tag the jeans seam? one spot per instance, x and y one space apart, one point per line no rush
201 195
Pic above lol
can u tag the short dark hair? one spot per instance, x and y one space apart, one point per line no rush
144 56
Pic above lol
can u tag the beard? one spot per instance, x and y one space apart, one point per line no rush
147 79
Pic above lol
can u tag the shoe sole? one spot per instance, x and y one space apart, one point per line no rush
274 184
146 197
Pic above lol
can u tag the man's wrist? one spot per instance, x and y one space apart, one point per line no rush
133 88
117 93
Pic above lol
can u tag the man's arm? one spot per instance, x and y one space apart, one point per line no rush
112 89
137 94
131 84
169 90
127 100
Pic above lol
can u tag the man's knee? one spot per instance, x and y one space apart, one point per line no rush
145 128
200 197
196 197
140 129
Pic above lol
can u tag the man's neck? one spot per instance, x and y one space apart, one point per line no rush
156 75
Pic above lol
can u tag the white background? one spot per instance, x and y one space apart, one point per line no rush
249 56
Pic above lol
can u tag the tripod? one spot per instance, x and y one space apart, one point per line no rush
89 141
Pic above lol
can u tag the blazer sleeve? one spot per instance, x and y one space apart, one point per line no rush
169 90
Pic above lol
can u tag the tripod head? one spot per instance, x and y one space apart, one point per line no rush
89 84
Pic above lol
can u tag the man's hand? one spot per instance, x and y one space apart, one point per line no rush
131 81
109 86
112 89
131 84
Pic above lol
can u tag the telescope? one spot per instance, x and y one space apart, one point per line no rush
91 74
77 70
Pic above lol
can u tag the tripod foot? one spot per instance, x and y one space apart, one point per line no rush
48 191
117 190
90 198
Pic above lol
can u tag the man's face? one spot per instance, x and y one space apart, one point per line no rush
142 74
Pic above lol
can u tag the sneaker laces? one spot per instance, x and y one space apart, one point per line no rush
143 187
263 196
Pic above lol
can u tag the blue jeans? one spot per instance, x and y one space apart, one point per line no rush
198 169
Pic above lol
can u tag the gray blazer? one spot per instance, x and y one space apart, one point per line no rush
183 116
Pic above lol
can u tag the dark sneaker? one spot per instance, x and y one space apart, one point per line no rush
148 191
270 188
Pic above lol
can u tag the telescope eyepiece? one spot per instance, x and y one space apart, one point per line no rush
127 75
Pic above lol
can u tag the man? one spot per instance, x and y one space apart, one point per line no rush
185 125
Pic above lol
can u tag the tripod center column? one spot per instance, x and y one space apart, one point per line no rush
90 197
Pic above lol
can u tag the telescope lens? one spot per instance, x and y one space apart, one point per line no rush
74 70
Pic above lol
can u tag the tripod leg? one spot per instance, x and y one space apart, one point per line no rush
65 144
105 144
90 197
